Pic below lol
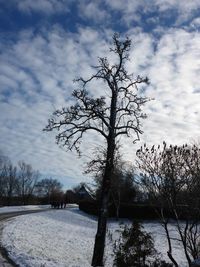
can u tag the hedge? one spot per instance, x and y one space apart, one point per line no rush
130 211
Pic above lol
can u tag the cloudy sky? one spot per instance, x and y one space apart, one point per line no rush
45 44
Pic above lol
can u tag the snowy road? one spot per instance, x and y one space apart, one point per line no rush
7 215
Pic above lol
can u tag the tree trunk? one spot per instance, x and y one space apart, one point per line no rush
98 252
169 252
99 246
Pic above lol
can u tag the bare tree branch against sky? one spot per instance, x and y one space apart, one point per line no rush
45 44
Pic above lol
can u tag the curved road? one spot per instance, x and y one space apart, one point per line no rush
4 259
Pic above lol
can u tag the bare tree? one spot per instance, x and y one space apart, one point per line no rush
116 114
4 161
10 181
26 181
47 186
171 175
8 177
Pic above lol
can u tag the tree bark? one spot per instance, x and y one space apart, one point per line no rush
99 246
98 253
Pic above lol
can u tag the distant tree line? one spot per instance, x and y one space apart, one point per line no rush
21 184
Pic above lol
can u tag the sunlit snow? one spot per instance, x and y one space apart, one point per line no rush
65 238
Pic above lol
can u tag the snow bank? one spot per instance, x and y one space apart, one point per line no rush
65 238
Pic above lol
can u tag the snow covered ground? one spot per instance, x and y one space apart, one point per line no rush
65 238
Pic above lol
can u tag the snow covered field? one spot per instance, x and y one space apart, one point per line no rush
65 238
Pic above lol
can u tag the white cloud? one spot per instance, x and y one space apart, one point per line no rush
44 6
196 22
131 10
183 6
92 10
37 75
111 12
174 72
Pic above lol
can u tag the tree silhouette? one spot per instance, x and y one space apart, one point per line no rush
116 114
170 174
